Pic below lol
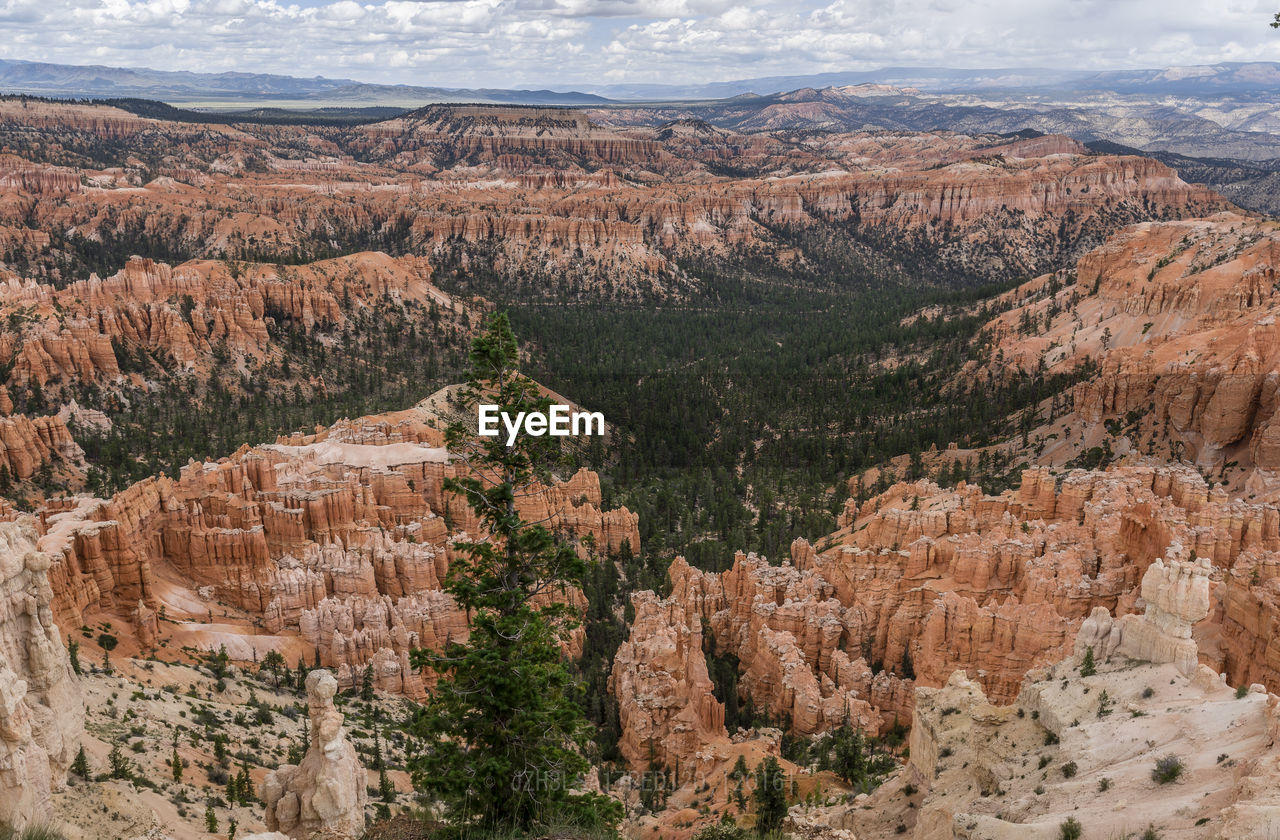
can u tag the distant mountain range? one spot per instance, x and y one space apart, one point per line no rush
1220 126
1231 79
1234 80
96 81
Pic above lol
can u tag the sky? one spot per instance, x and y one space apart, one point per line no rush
580 43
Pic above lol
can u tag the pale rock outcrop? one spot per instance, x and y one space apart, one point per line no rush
1177 597
322 798
41 717
982 770
970 772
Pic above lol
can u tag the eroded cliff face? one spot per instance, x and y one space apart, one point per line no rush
922 582
673 736
29 443
666 709
334 544
787 627
41 716
153 326
189 313
1094 738
549 189
1180 320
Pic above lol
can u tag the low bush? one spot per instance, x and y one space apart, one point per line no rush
1168 769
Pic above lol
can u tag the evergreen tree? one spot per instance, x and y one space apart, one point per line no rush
366 683
121 766
176 760
273 664
385 788
849 754
244 783
1088 667
219 662
73 654
501 740
739 774
81 765
210 820
770 796
297 751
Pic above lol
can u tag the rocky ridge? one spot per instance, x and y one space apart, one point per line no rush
185 314
333 545
1180 320
542 184
41 717
921 583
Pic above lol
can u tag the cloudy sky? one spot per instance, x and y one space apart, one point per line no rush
525 43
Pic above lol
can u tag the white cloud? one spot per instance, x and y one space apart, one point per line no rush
512 43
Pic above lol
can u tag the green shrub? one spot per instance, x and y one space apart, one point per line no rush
1071 829
1168 769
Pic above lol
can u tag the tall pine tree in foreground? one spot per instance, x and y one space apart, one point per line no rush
501 738
771 797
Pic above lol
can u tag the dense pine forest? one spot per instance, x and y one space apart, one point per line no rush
745 407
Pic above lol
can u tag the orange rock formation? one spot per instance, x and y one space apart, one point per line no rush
342 538
922 582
